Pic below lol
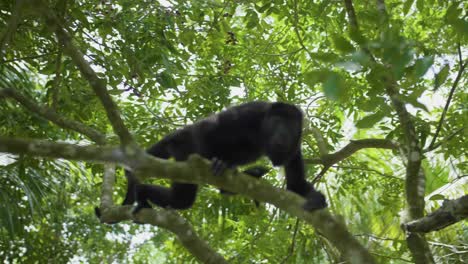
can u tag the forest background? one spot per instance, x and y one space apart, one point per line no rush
382 84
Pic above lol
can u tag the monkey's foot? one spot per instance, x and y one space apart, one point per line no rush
315 200
218 166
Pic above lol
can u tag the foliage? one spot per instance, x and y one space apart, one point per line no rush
169 63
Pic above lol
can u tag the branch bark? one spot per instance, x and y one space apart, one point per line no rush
449 99
97 84
11 28
198 170
351 148
107 186
415 178
112 214
173 222
53 116
451 212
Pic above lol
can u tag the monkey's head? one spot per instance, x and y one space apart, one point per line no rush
281 130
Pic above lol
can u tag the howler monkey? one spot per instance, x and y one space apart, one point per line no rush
235 136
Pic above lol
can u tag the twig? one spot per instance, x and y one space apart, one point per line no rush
449 99
293 243
28 57
449 137
53 116
370 170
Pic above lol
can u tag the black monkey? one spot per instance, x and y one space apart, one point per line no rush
235 136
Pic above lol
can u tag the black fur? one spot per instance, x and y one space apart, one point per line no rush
236 136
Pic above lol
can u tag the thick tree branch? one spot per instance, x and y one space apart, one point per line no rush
169 220
451 212
53 116
98 85
111 214
415 179
351 14
415 182
198 170
355 31
49 149
173 222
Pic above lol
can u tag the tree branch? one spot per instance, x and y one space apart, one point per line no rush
29 57
451 212
107 186
185 233
356 145
321 143
293 243
415 179
11 28
169 220
449 137
449 99
198 170
351 148
90 75
53 116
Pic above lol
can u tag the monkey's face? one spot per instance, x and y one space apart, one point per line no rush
282 138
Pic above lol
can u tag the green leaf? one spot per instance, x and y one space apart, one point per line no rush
413 100
437 197
252 19
334 87
420 5
460 26
422 65
370 120
407 6
441 77
361 57
453 12
264 7
313 77
342 44
166 80
187 36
